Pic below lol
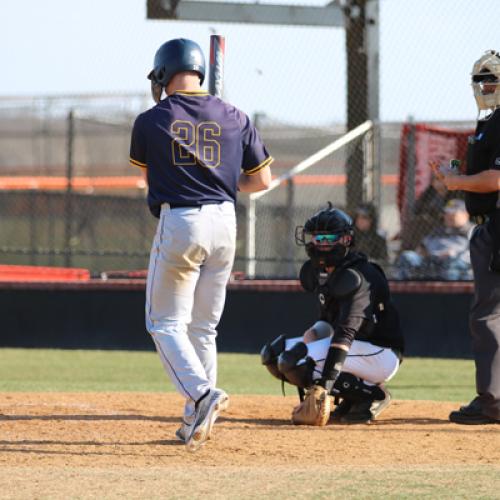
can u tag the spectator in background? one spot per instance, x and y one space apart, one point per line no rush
367 239
426 214
442 254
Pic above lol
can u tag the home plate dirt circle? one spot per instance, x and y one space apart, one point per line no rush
136 429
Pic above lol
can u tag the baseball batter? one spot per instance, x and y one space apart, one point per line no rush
356 345
197 152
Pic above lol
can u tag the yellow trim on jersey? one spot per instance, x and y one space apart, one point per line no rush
191 92
260 166
137 163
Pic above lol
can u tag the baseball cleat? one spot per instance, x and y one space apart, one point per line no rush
378 406
366 411
206 413
224 405
182 432
359 413
340 410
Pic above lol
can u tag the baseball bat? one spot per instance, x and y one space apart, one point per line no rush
216 68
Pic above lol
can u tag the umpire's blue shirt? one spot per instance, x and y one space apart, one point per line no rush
194 147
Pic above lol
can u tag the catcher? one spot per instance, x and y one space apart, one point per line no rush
356 346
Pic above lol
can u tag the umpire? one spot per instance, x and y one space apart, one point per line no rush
481 184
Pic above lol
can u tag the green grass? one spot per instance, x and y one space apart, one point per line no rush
332 482
33 370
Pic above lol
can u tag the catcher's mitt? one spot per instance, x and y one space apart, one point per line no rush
315 409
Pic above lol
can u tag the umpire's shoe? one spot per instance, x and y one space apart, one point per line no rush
206 413
471 414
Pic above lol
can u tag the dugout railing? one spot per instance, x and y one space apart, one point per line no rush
296 207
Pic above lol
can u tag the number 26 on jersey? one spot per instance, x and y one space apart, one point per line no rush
194 144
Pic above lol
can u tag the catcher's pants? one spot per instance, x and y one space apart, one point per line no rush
485 322
190 265
372 363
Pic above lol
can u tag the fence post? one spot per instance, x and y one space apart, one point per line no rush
68 212
290 204
377 169
369 167
410 169
250 238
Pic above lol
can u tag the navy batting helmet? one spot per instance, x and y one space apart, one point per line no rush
327 236
176 56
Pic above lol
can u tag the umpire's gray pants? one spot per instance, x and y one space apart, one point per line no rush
485 323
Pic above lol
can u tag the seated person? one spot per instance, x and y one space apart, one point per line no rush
444 253
366 236
356 345
426 215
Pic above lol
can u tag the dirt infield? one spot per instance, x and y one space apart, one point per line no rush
53 440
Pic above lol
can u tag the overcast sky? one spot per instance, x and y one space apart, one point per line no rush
297 75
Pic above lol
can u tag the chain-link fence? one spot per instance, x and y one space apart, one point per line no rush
297 194
69 197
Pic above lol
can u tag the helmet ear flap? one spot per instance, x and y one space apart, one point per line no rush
160 75
156 91
156 87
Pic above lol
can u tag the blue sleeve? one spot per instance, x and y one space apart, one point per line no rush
138 145
255 155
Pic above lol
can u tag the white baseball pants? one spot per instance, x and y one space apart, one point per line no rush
372 363
190 265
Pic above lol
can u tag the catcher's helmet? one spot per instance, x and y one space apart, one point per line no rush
327 236
175 56
486 80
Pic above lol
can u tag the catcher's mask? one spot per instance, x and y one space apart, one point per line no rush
327 237
486 81
175 56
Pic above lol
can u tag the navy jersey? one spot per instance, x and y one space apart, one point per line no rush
194 147
483 154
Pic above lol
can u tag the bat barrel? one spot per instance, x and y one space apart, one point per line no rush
216 73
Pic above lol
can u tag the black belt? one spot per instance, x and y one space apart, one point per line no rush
193 205
177 205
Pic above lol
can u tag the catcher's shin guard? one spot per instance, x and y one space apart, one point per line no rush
296 368
269 356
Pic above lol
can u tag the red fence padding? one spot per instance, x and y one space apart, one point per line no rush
39 273
58 183
431 144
